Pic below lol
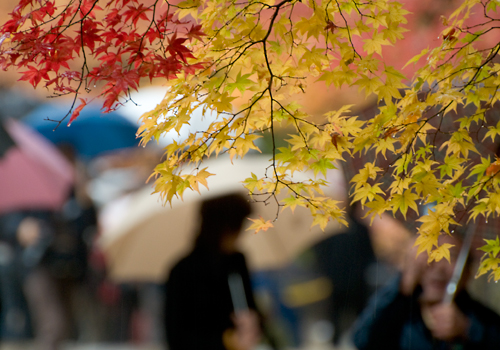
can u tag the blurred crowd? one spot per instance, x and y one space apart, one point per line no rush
59 282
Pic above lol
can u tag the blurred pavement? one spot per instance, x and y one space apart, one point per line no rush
125 346
81 346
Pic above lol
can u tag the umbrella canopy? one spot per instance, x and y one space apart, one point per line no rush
33 173
146 99
142 239
91 134
16 102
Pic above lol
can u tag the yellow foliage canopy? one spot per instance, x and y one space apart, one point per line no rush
424 140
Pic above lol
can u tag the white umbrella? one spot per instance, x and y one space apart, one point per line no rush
142 239
146 99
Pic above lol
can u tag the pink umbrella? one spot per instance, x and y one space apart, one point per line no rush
33 173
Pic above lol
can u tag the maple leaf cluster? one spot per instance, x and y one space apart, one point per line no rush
113 46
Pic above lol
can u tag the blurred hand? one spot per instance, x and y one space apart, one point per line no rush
247 333
445 321
413 268
28 232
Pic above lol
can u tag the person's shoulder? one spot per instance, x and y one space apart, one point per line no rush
482 311
238 257
183 264
235 260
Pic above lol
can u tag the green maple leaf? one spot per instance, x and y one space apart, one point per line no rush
242 83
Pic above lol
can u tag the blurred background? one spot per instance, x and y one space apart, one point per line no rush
108 244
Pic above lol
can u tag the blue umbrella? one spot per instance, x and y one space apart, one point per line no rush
91 134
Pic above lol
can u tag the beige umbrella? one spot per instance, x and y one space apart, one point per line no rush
142 239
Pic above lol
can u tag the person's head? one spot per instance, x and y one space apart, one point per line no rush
436 275
221 222
69 151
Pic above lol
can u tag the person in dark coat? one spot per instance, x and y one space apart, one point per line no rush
345 258
409 313
209 301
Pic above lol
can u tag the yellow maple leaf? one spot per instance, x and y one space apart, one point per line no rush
260 224
200 178
426 243
443 251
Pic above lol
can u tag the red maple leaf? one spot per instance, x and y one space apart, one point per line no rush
53 81
126 79
110 58
103 49
59 56
166 17
13 24
124 49
168 66
175 47
37 16
110 35
49 8
148 69
111 96
71 75
152 35
87 8
13 58
77 111
113 17
194 68
450 35
33 75
90 33
330 26
195 32
136 60
136 13
4 64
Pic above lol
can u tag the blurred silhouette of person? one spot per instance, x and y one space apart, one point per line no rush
51 250
209 300
409 313
348 259
15 324
29 235
53 257
67 256
35 235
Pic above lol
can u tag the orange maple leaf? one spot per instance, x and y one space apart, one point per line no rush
494 168
260 224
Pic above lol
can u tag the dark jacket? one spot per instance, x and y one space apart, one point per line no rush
198 300
345 258
392 321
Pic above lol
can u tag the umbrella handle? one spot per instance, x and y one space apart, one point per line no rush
451 288
237 292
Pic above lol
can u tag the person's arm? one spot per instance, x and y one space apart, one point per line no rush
246 333
380 325
247 283
477 328
248 324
